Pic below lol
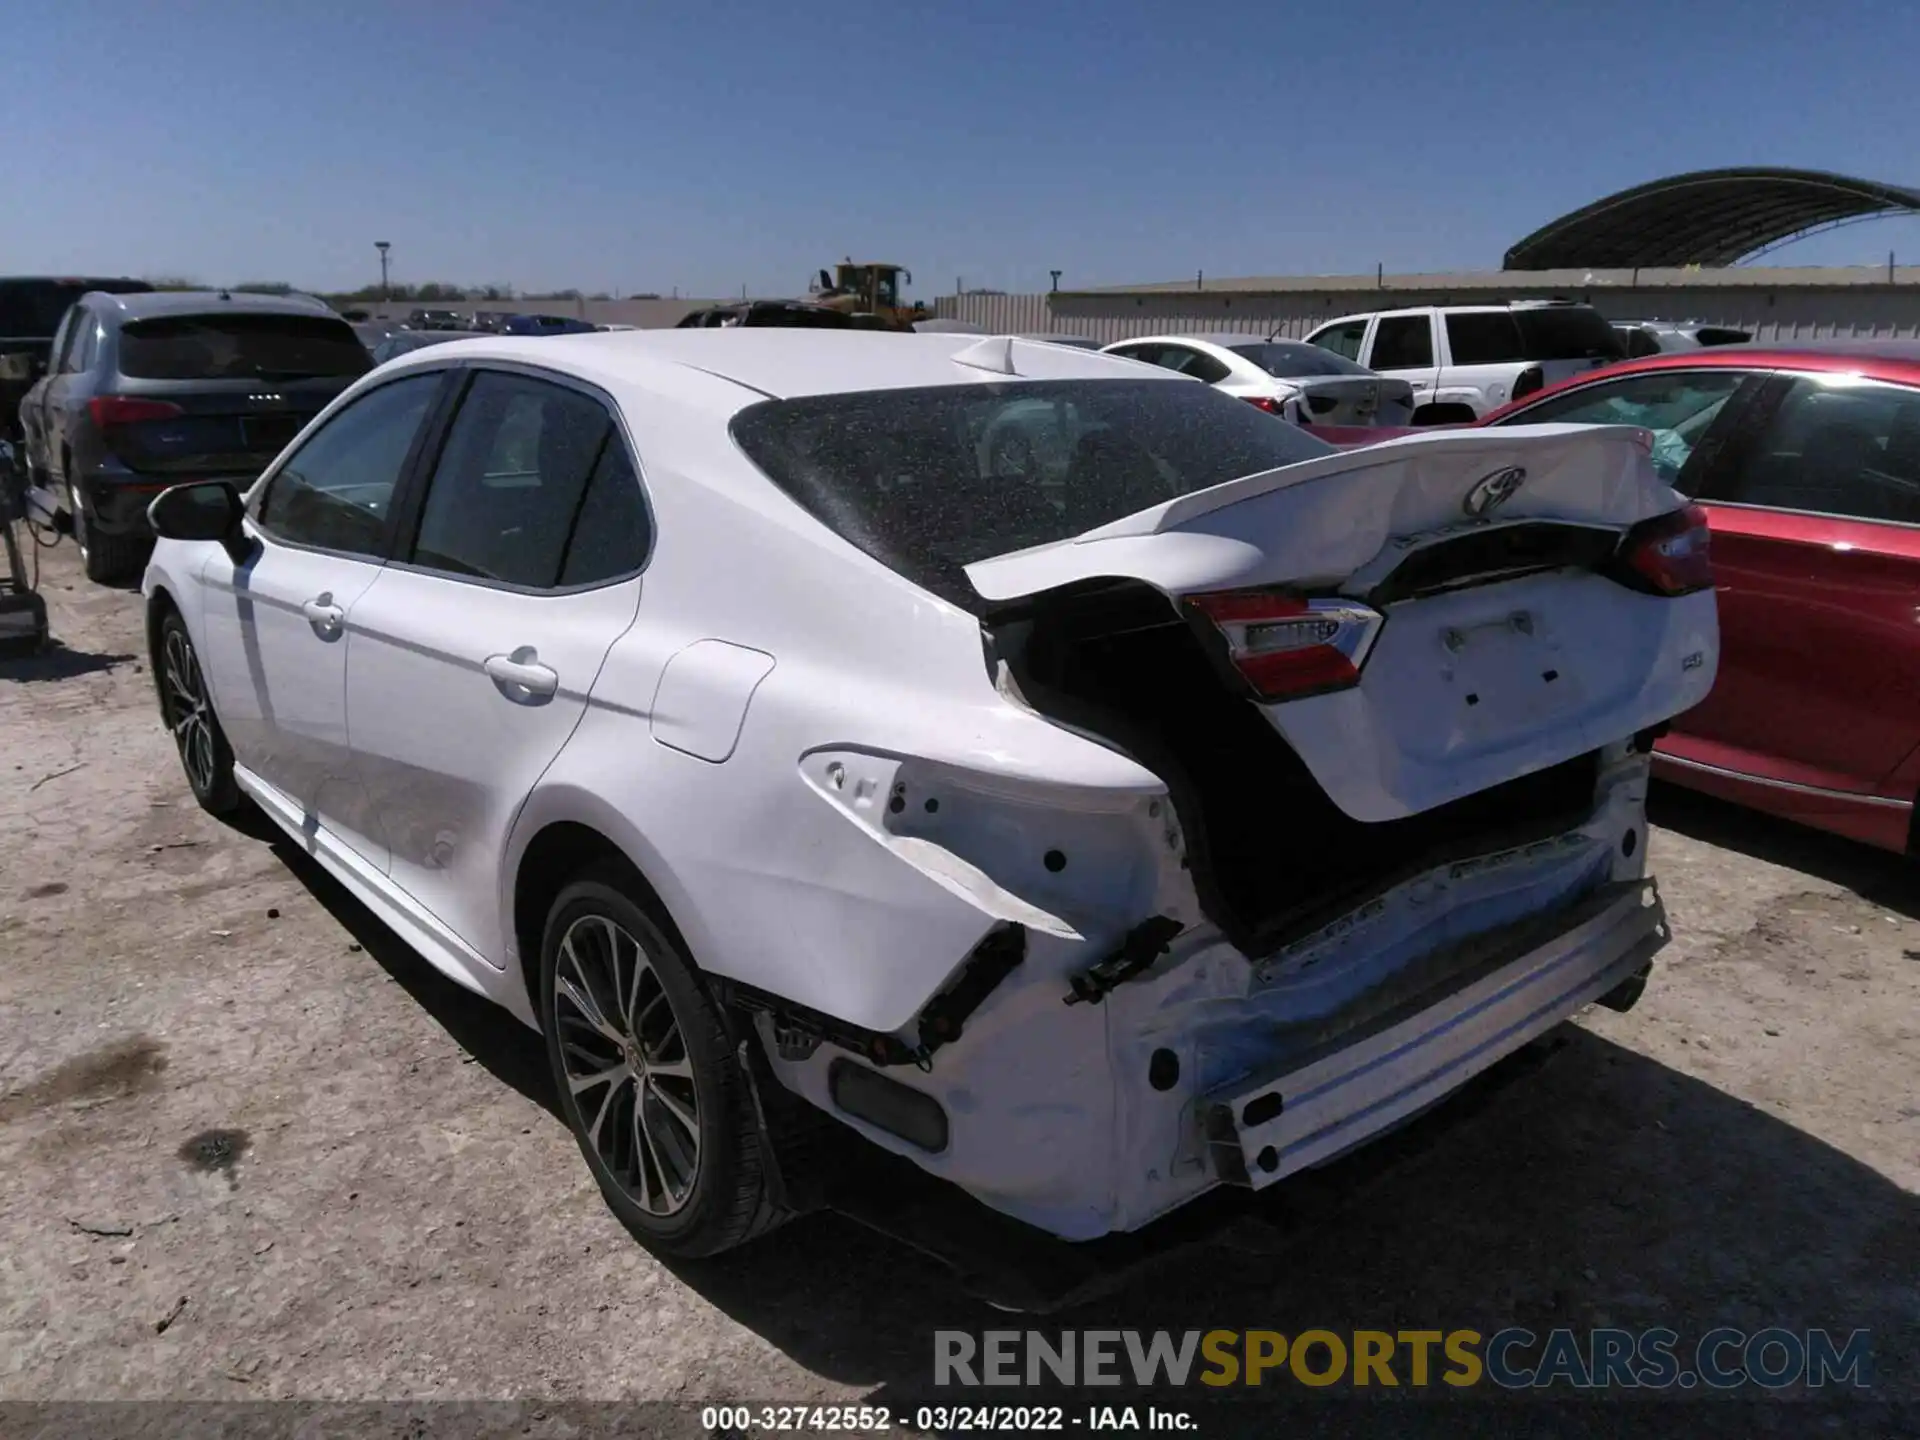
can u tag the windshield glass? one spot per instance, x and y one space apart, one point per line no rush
927 481
1288 359
32 308
240 346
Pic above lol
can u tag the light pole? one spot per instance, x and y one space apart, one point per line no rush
383 246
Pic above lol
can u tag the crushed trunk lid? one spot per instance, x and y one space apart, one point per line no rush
1320 520
1460 686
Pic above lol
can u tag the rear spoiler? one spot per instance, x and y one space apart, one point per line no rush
1283 527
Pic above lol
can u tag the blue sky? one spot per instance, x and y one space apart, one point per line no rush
718 145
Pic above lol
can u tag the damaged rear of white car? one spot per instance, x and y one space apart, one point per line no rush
1282 803
1062 773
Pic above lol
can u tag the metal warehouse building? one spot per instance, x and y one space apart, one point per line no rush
1664 251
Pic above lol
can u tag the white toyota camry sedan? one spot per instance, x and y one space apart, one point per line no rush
1181 808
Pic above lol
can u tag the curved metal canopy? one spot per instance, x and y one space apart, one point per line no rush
1708 217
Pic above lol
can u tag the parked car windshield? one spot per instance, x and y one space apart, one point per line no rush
1285 360
34 307
240 346
927 481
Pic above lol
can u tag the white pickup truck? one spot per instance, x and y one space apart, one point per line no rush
1465 361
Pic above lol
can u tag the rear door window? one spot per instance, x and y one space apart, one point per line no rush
1403 342
1833 447
1342 339
512 483
1484 338
1198 363
1678 406
614 532
240 346
1165 357
1567 332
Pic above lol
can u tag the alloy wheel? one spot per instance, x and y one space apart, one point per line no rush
627 1065
187 712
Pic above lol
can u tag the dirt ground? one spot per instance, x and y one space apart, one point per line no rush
231 1101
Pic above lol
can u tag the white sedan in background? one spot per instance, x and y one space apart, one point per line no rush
1087 835
1289 378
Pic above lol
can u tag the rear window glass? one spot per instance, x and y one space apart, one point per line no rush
1487 338
1289 360
34 307
1568 332
240 347
928 481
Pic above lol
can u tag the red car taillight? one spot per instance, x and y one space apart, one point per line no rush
127 410
1266 403
1286 647
1669 554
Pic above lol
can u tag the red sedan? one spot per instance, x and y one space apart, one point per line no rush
1808 465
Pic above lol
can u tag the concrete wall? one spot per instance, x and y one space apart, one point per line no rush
1780 313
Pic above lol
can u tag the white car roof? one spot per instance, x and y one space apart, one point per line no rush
1505 308
783 363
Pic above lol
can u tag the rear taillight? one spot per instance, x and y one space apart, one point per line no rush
1669 554
127 410
1266 403
1528 380
1286 647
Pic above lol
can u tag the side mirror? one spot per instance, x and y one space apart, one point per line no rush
204 510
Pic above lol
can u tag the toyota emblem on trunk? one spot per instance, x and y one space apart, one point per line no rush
1490 492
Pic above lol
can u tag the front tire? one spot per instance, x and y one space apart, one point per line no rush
646 1076
187 706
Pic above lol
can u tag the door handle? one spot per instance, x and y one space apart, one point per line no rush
323 615
521 671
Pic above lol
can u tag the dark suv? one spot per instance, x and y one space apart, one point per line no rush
785 314
146 391
30 311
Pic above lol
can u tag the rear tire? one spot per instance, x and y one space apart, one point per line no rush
187 706
646 1075
107 559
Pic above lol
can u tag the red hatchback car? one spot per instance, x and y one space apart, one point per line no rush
1807 462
